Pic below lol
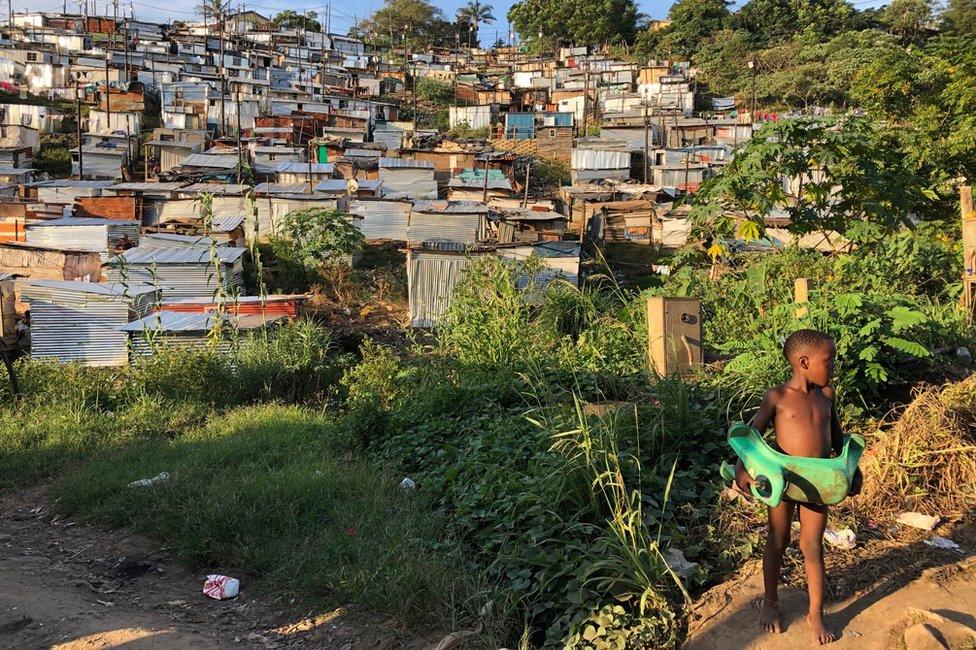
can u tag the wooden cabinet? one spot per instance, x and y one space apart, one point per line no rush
674 335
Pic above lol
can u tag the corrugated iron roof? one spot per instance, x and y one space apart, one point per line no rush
36 288
479 183
213 188
147 187
363 153
226 223
406 163
341 184
81 221
209 160
148 255
187 322
291 167
68 182
281 188
451 207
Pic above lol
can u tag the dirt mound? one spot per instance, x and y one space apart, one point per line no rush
926 461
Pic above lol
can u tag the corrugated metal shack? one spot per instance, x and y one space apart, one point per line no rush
470 184
447 225
406 178
37 262
103 236
189 330
79 321
431 279
173 240
337 187
181 272
560 259
65 191
382 219
600 160
297 172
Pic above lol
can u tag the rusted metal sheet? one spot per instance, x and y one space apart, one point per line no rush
126 102
121 208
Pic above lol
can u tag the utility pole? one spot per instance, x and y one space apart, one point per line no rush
647 126
81 153
752 67
223 82
414 75
586 91
311 145
10 14
525 195
484 193
403 37
457 48
108 106
240 151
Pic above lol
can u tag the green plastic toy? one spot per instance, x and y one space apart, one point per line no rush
820 481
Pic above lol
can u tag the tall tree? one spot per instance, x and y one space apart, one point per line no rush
768 21
822 19
583 22
692 23
416 23
828 175
295 20
959 17
910 19
473 14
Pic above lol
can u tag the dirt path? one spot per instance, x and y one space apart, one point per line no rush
939 605
65 585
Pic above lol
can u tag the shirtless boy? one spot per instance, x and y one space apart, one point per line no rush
804 418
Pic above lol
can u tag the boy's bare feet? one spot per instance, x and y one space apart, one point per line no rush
821 635
769 616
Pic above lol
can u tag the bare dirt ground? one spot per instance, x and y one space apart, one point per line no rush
65 585
925 599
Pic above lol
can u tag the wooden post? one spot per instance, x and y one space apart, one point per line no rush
801 295
674 335
968 210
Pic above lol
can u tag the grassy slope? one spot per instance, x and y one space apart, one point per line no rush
266 492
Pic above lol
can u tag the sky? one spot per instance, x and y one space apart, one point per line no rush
344 12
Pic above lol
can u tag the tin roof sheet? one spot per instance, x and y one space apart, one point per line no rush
290 167
149 255
405 163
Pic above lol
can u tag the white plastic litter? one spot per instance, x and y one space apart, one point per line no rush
221 587
917 520
963 354
943 542
681 566
145 482
408 484
843 539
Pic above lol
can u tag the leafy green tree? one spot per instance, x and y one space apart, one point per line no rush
910 19
959 17
473 14
213 10
925 96
543 22
767 21
692 23
414 23
819 20
842 175
295 20
312 238
723 61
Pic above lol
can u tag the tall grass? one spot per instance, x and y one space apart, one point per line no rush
266 493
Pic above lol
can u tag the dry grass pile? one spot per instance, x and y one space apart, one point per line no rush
926 461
